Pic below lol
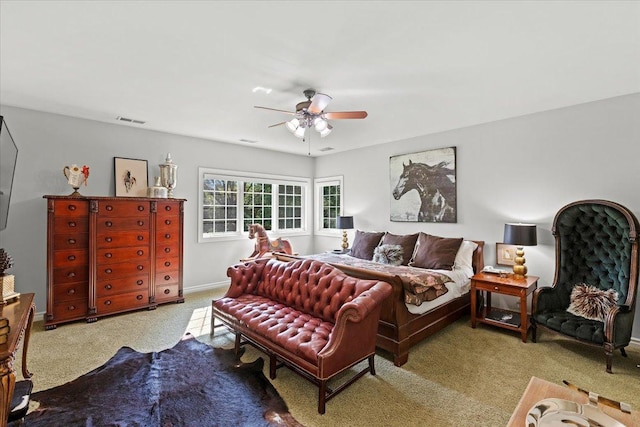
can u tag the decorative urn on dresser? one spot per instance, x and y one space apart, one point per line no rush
108 255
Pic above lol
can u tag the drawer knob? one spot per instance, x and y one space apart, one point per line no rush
167 250
167 263
108 255
139 282
167 291
108 287
108 223
140 253
139 297
167 208
167 236
109 208
107 302
140 237
71 291
140 208
140 223
496 288
108 271
72 223
72 207
71 307
167 221
71 274
108 239
72 241
141 267
167 277
71 257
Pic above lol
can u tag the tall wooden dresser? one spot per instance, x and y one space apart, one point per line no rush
108 255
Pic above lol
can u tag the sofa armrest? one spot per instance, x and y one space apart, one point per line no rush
244 277
545 298
355 331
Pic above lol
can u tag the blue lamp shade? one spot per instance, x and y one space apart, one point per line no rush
520 234
344 222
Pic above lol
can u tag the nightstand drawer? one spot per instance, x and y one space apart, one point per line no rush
501 288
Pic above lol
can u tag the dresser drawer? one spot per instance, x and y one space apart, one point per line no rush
168 249
114 239
70 208
167 292
71 257
105 225
122 285
111 255
122 269
168 209
71 241
123 208
70 291
71 224
70 274
167 264
167 278
122 302
167 235
69 310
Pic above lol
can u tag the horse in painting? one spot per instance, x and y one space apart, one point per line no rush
264 245
436 189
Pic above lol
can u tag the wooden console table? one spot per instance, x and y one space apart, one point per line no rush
20 315
539 389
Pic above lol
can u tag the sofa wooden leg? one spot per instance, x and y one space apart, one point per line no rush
534 330
272 366
372 367
623 351
237 345
608 352
322 394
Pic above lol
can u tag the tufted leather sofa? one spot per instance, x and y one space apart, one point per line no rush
596 244
306 315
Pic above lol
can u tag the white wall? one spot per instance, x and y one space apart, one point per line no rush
522 169
47 142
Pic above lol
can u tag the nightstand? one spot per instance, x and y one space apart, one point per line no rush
518 286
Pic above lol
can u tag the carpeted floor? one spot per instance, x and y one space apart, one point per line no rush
458 377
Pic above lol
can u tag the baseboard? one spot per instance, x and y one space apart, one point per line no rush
635 343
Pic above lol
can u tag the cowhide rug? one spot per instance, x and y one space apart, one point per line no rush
191 384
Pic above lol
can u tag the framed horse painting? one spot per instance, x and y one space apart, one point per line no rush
423 186
130 177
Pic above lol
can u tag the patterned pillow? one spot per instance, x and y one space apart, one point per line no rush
591 303
388 254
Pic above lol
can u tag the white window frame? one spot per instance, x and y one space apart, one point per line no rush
242 177
319 184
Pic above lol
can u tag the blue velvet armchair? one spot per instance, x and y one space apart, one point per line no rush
597 246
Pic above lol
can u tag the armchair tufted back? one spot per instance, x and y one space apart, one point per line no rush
596 244
310 286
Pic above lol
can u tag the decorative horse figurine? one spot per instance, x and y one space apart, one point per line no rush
436 189
265 246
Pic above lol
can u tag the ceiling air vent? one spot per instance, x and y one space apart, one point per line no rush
128 120
249 141
326 149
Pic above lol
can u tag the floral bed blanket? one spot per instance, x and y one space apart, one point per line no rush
419 284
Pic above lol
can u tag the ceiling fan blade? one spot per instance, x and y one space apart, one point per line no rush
345 115
293 113
319 103
277 124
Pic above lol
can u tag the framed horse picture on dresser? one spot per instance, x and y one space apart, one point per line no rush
130 177
423 186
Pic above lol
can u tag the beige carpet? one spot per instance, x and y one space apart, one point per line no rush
458 377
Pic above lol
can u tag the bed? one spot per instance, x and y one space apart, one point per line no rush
403 325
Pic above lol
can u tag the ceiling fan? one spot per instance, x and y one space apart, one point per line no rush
311 114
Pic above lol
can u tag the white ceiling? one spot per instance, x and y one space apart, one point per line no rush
189 67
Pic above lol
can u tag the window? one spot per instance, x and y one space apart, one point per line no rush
329 203
231 201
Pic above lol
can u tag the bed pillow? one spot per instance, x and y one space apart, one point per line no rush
590 302
388 254
364 243
464 257
407 242
437 253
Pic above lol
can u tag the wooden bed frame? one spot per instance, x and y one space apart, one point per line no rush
398 329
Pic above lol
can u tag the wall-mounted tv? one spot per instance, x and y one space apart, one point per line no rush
8 159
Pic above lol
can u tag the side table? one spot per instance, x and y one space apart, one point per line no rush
518 286
20 315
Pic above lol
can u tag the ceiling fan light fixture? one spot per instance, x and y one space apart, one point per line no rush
292 125
326 131
320 124
299 132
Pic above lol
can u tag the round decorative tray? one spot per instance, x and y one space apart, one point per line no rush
565 413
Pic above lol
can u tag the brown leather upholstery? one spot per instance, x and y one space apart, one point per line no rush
306 314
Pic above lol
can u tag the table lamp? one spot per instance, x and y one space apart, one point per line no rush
344 223
520 235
